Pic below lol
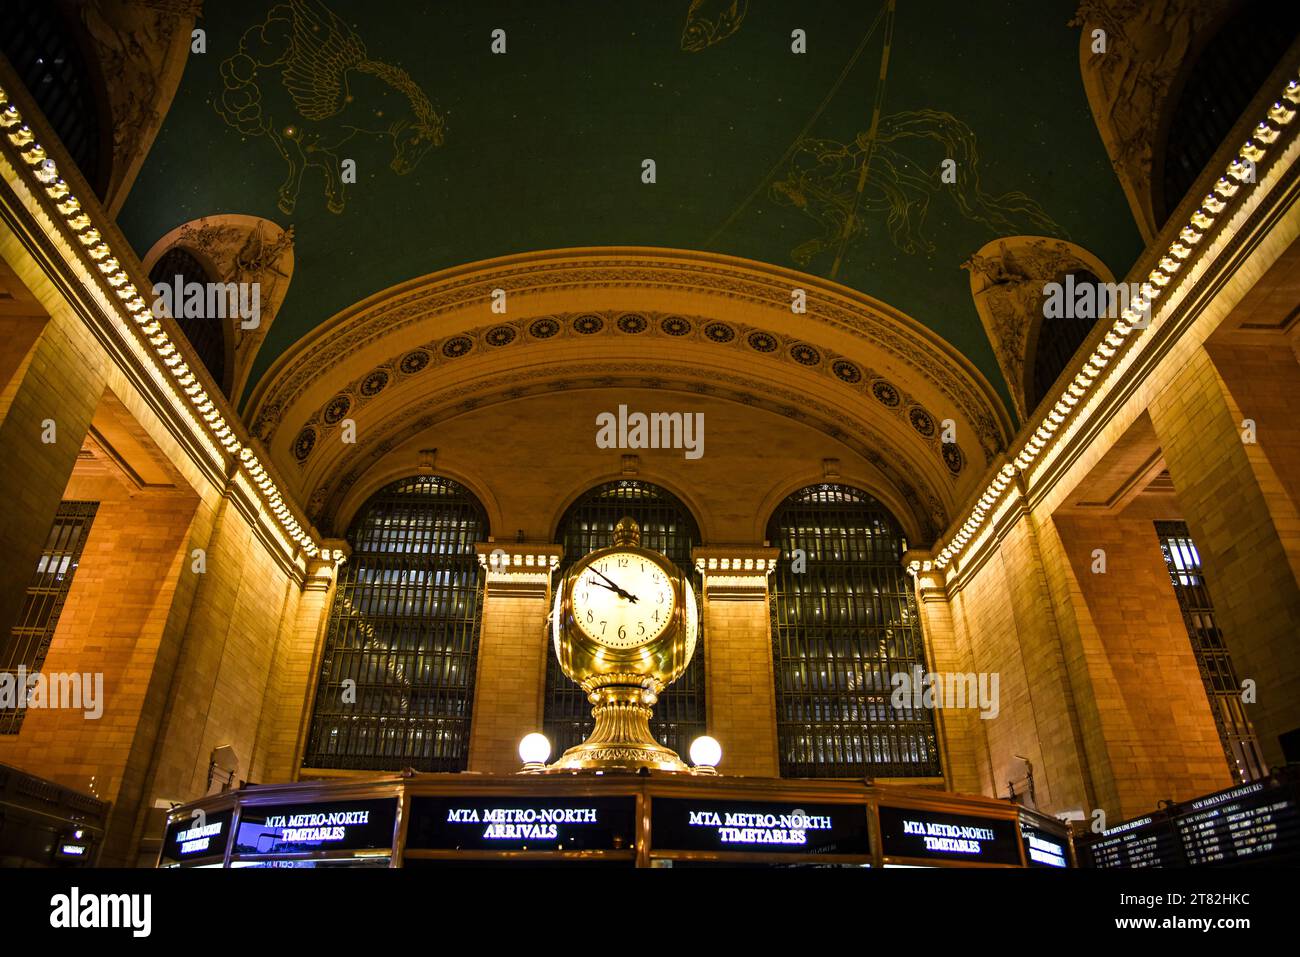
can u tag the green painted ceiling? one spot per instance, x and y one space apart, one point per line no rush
543 146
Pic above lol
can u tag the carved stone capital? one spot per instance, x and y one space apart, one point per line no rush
321 571
735 572
930 583
519 568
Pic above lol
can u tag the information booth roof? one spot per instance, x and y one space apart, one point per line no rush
612 818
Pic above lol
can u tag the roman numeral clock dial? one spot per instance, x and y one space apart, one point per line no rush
623 601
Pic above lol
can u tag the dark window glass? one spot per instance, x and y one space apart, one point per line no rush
1224 79
30 637
207 334
667 526
404 627
1211 651
1059 339
841 628
40 44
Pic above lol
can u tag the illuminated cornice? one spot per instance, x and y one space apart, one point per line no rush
519 559
755 561
1183 253
735 572
211 423
520 569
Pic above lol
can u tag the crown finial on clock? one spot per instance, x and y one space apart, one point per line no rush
627 531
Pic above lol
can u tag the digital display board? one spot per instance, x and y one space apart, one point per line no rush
326 826
759 827
1145 842
1252 822
939 836
522 824
191 837
1044 847
1243 824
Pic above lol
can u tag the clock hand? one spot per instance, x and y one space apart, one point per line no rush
613 586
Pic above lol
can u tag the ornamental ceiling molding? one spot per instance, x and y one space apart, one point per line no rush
140 53
1149 43
1007 281
541 332
350 465
903 340
242 249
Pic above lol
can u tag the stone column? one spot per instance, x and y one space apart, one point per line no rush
47 409
962 745
297 668
741 698
512 649
1007 613
1246 528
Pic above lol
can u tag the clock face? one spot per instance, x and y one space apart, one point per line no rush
623 600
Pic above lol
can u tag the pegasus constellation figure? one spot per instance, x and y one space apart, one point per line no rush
303 79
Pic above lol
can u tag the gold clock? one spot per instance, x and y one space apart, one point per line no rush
624 627
623 599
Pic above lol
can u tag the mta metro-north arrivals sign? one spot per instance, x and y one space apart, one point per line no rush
1252 823
522 824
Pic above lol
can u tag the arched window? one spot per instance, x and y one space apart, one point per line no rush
207 334
1057 341
843 623
1221 82
40 42
666 526
404 629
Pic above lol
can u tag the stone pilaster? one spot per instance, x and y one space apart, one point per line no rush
45 412
297 666
738 656
1245 526
962 746
512 650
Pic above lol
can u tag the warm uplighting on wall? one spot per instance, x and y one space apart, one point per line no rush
1239 177
187 393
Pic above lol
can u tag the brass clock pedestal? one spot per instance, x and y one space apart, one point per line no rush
622 738
622 675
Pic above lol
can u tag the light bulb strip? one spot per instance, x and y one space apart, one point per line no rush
101 261
1239 178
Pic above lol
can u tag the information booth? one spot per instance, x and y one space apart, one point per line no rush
596 820
1047 840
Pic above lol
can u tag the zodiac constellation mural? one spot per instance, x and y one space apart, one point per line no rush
303 79
826 180
893 170
711 21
